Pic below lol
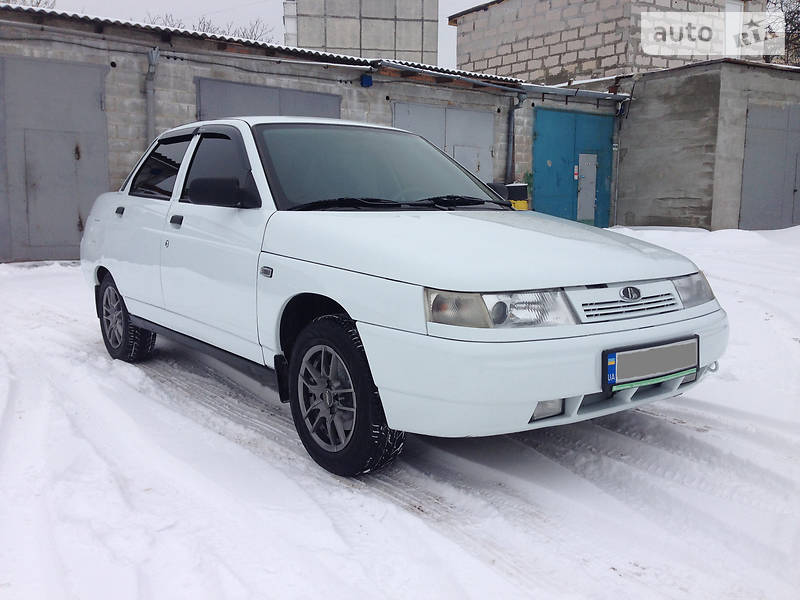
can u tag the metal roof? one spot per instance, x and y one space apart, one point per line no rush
717 61
506 84
290 50
484 6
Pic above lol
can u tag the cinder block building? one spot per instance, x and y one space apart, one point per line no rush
81 97
401 29
553 41
713 144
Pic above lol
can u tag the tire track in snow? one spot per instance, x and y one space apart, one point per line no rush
226 398
762 485
753 428
606 460
402 484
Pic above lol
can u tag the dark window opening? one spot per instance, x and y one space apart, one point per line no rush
156 177
221 158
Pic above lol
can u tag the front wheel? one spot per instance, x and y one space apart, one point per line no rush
335 405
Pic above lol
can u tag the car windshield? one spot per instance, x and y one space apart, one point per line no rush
314 166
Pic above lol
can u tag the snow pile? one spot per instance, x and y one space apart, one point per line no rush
180 478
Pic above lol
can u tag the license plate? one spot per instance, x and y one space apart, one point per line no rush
647 365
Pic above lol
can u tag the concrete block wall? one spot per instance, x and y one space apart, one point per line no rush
682 145
668 146
401 29
742 87
553 41
183 61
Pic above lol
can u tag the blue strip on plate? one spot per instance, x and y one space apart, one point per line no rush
611 368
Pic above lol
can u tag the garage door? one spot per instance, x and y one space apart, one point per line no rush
466 135
770 177
218 99
55 150
572 155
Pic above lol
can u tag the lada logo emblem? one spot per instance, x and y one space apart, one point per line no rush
630 293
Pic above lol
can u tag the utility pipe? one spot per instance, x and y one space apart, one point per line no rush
150 92
515 104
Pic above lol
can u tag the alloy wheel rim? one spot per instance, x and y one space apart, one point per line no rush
327 398
113 317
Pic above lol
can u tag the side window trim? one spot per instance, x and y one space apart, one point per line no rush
129 183
229 131
180 179
126 185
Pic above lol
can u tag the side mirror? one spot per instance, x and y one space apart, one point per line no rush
223 191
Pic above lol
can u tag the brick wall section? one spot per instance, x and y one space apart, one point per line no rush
402 29
552 41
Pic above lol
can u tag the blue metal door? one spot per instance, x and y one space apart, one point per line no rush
559 138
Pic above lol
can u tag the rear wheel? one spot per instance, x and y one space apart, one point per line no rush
123 340
335 405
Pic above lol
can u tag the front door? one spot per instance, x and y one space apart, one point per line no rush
209 255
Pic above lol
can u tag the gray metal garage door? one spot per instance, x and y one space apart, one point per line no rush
55 153
217 99
770 177
466 135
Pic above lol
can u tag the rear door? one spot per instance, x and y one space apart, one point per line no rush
136 223
209 258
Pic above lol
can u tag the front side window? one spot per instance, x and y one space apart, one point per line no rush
309 164
156 177
218 157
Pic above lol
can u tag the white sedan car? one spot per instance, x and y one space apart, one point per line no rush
388 289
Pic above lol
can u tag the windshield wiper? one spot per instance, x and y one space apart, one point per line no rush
356 202
454 200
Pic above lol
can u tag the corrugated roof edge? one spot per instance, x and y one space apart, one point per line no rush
716 61
303 52
467 11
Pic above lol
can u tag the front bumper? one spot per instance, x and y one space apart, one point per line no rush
454 388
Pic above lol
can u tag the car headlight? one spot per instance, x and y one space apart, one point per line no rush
693 289
540 308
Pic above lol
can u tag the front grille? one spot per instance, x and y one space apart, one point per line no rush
620 309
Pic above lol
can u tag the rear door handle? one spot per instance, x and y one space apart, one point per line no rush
176 220
120 210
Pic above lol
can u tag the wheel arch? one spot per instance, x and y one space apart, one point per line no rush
301 310
99 274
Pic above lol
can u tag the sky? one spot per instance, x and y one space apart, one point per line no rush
242 12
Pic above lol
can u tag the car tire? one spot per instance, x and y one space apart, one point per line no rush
335 404
123 340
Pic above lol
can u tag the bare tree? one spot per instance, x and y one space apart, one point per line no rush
32 3
256 29
790 11
166 20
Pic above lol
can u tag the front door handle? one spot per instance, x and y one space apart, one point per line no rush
120 210
176 220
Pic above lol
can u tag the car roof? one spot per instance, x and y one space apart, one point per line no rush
262 120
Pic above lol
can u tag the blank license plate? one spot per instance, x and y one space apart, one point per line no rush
634 367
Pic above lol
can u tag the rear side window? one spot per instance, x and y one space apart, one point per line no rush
156 177
217 156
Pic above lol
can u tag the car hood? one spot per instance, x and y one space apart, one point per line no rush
469 250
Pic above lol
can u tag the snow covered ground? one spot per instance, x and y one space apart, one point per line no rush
180 478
